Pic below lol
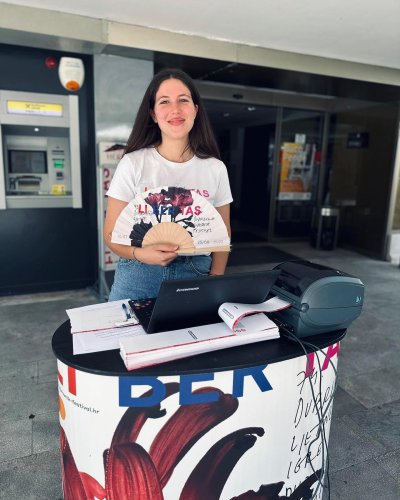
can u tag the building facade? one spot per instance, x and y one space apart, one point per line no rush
296 132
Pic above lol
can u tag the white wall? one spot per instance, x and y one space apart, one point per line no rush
119 85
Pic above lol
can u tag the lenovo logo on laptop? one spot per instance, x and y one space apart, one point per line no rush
188 289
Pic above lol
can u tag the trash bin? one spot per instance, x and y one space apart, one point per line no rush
325 228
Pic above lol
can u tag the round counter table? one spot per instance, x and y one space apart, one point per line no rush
246 422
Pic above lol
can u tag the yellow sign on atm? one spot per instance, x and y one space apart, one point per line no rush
34 108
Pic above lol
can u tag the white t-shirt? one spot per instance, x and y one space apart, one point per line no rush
146 169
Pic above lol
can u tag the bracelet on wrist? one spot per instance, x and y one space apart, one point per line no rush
134 255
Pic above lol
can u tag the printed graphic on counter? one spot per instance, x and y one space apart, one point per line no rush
246 433
173 215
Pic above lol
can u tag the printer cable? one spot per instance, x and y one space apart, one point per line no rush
328 405
320 414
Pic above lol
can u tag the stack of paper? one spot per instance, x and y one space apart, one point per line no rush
93 327
156 348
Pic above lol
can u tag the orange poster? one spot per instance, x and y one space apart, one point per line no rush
297 162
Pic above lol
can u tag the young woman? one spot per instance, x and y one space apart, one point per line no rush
171 144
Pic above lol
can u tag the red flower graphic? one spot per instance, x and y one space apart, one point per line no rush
155 200
169 202
174 198
77 485
210 475
131 472
178 197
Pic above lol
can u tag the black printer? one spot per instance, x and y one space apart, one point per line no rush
322 299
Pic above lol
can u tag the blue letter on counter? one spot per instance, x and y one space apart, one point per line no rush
186 396
154 398
256 372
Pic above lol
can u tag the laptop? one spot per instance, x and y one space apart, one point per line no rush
195 302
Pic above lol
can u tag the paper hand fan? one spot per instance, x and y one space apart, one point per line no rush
172 215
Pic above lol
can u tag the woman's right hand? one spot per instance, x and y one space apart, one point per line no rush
160 254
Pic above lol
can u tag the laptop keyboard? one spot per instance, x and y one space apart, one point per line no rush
143 310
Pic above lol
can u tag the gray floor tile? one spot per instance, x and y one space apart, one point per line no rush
28 350
361 353
82 295
364 481
38 317
390 330
38 478
31 460
15 439
47 370
344 404
391 462
23 400
374 388
350 445
382 423
27 337
18 373
46 432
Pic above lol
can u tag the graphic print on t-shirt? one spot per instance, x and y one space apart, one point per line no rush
172 215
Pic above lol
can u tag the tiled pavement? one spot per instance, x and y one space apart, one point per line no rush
365 434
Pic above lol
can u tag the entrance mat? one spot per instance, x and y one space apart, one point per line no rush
251 255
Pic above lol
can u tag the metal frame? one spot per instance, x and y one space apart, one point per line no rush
393 196
324 151
3 204
75 151
101 164
275 175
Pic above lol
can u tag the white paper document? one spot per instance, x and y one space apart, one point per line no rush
103 340
94 329
99 316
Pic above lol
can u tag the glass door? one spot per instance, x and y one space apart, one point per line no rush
246 138
298 172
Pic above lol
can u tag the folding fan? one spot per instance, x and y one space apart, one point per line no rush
172 215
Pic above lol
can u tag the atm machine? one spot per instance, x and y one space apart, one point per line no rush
39 151
41 198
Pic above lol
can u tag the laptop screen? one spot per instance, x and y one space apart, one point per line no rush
195 302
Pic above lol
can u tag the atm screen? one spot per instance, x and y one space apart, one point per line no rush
27 162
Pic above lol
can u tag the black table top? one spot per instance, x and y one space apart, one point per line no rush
110 362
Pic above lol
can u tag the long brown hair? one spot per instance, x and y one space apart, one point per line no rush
146 132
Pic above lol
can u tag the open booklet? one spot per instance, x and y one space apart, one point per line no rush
243 324
94 329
